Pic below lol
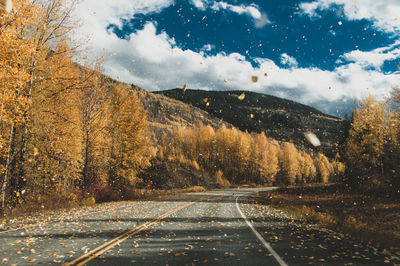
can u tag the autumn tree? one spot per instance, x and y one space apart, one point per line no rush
263 161
365 145
308 171
241 155
128 136
206 137
37 77
224 142
48 35
15 53
52 149
92 124
324 168
289 164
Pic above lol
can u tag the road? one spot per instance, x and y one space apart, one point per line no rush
189 229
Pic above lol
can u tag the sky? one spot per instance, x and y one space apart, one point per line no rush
323 53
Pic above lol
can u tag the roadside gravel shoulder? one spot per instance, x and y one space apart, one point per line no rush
299 242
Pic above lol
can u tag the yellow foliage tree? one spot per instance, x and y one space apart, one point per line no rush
128 135
289 164
29 33
308 171
264 163
366 142
324 168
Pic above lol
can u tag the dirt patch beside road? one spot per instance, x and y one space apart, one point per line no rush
372 217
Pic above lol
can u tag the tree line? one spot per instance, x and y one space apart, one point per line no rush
64 128
233 157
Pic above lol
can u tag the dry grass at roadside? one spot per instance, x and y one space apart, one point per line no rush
372 217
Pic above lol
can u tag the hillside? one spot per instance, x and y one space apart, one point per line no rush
281 119
164 112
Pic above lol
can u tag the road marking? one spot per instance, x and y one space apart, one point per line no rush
265 243
110 244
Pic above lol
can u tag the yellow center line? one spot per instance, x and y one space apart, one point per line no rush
110 244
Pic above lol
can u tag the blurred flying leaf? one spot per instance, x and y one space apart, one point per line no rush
254 79
312 139
242 96
184 87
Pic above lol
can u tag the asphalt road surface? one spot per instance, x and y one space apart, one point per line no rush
215 227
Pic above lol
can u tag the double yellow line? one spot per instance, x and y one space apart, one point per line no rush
112 243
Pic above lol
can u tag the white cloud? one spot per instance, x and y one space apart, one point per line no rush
251 10
375 58
96 15
288 60
155 61
260 19
200 4
207 47
385 14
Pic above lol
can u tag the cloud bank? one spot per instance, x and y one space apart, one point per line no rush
154 61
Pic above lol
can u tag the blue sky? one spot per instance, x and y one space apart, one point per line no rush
323 53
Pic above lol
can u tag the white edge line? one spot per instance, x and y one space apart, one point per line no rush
266 245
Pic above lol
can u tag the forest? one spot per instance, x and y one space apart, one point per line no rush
67 132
